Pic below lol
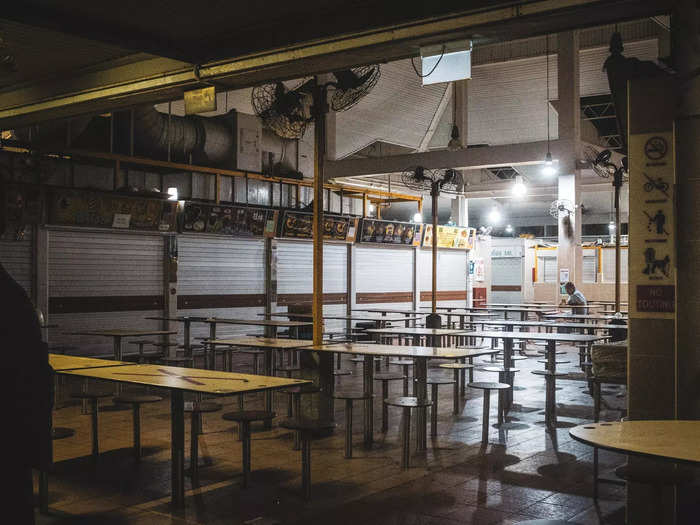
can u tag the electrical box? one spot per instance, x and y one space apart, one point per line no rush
248 141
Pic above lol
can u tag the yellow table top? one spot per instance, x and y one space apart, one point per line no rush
414 331
70 362
260 322
263 342
674 440
188 379
124 333
392 350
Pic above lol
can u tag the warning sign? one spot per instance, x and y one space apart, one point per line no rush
651 298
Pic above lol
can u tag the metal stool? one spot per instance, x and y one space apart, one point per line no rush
93 398
487 387
306 428
257 355
295 394
457 369
244 418
406 403
182 361
385 378
44 474
136 400
434 383
142 356
505 375
349 399
406 364
197 409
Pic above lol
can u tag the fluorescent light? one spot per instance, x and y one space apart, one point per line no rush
519 189
417 217
494 216
173 194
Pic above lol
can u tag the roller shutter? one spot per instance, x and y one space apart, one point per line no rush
16 258
384 277
451 278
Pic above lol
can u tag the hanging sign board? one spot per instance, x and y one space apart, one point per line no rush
299 225
108 210
200 100
238 221
652 256
390 232
454 237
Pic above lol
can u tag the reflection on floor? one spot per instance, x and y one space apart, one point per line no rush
525 473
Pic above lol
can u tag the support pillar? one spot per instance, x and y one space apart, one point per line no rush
570 256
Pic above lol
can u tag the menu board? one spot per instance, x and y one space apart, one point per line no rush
242 221
455 237
390 232
299 225
108 210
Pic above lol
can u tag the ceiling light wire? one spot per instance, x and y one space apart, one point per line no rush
442 54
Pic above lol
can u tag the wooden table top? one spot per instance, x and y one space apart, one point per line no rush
401 330
124 333
187 379
259 322
503 322
262 342
71 362
673 440
536 336
392 350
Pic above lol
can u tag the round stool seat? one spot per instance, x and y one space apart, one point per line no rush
407 402
351 395
248 415
439 381
517 357
498 369
485 385
544 352
202 407
91 395
456 366
402 362
388 377
556 362
131 399
306 424
548 373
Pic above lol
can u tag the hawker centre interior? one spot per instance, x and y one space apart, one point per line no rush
350 262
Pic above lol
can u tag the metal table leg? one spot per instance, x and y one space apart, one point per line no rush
268 366
177 422
420 372
368 389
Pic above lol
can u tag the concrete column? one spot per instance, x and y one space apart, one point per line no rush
569 108
460 210
461 109
170 263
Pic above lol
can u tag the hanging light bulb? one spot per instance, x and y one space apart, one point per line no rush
509 228
548 169
494 216
417 217
519 189
454 144
173 194
611 226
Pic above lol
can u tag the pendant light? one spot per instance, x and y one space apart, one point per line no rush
455 144
548 168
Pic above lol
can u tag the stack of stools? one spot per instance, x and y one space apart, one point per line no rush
244 418
349 399
93 398
406 364
306 428
457 369
196 409
406 403
136 400
434 383
385 378
487 388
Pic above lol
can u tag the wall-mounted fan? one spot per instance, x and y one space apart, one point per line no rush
287 111
601 163
433 181
562 209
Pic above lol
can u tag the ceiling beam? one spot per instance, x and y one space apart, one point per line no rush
470 158
91 93
491 192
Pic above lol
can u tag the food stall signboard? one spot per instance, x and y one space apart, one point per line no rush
299 225
98 210
390 232
455 237
239 221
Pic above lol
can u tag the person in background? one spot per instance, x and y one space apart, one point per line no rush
27 388
576 298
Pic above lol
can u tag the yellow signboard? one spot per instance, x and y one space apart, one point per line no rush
455 237
200 100
652 264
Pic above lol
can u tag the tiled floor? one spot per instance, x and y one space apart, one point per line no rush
525 473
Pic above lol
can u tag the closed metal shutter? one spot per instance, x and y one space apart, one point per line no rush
90 271
295 276
451 277
590 266
16 258
608 264
507 272
221 270
384 274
